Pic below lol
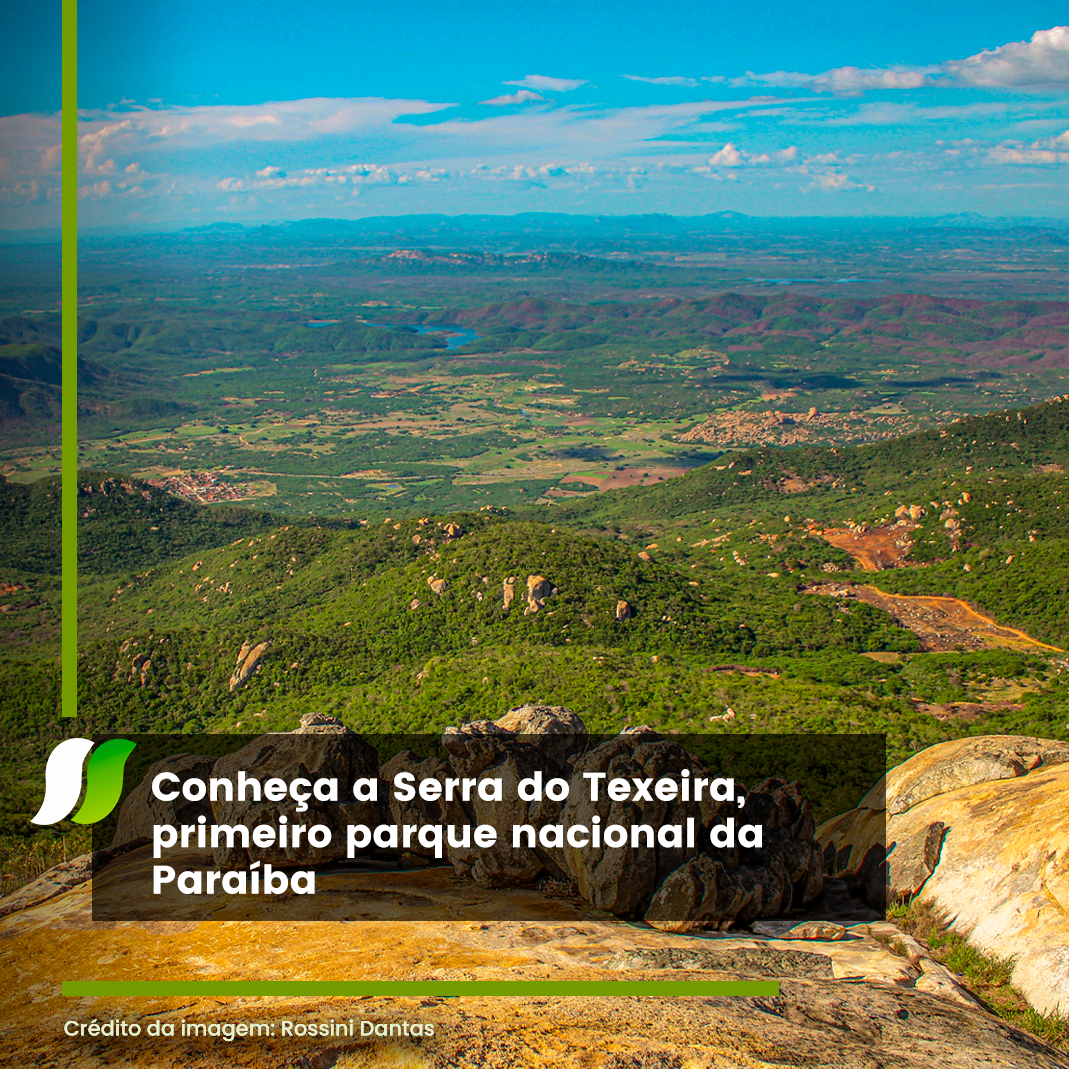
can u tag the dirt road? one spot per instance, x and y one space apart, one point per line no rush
940 623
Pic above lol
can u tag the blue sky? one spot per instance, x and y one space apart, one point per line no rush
198 112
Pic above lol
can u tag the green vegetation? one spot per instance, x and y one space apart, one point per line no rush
985 975
716 577
302 375
23 859
312 378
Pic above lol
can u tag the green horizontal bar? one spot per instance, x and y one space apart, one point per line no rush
415 988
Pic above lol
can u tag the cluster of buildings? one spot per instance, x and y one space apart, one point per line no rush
204 488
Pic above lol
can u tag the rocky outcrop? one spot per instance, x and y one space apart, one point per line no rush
624 610
141 809
967 762
64 877
847 1004
538 589
978 827
473 747
911 512
558 732
249 657
681 888
624 880
503 864
137 670
420 811
736 888
527 740
508 592
321 747
673 885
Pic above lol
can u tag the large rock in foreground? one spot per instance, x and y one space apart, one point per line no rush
850 1004
681 888
981 828
142 810
322 747
526 740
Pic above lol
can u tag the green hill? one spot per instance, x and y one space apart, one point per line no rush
670 604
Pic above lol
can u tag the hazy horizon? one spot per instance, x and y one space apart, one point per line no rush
258 114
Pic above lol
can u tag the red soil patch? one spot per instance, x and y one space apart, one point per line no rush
613 480
874 548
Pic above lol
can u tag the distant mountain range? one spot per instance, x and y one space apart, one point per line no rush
546 223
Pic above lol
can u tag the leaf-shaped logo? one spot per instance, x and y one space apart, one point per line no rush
63 780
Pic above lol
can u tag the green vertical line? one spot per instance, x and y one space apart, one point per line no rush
69 463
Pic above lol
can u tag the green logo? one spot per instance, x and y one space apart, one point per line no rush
103 779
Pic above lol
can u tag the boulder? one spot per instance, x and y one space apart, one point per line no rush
729 888
624 611
526 740
622 880
419 811
916 858
321 747
538 589
557 731
978 827
473 747
141 810
816 930
508 591
965 762
249 657
438 586
504 865
682 888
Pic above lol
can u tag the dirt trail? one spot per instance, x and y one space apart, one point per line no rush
940 623
874 548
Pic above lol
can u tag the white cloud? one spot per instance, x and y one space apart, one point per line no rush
106 135
674 80
31 143
525 172
22 193
823 169
30 168
836 182
1041 61
890 113
844 81
732 156
520 97
547 84
1045 151
728 156
566 131
353 175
